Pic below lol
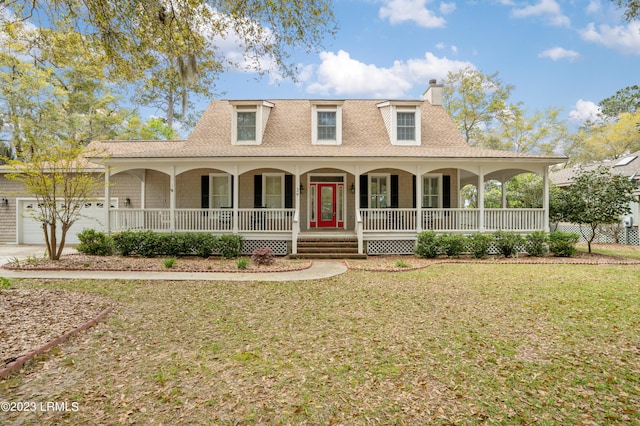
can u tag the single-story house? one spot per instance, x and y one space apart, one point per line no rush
626 165
279 171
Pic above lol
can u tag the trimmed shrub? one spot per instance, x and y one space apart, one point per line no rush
508 243
137 243
176 244
95 243
536 243
479 244
205 244
563 244
428 245
229 245
452 245
263 256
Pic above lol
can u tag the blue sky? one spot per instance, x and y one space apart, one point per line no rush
565 54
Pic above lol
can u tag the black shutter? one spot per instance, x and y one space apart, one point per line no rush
257 191
394 192
231 192
204 192
446 192
364 196
288 191
413 191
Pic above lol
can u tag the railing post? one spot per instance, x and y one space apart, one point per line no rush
295 231
481 200
359 232
107 201
172 200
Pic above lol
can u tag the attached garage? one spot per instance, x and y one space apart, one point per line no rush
30 230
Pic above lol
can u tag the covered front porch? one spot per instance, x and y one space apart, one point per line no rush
276 203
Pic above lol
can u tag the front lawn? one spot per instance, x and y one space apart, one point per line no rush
449 344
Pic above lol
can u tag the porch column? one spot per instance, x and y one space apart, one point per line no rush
236 199
358 224
503 188
172 199
418 199
143 190
107 201
296 216
545 198
480 199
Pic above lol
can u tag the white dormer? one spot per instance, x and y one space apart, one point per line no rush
326 122
249 119
402 120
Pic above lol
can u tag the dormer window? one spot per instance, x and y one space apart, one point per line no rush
246 126
326 125
406 129
402 119
249 121
326 120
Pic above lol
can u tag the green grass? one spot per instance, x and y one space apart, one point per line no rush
631 252
449 344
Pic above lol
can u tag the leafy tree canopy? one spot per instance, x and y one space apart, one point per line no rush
625 100
53 87
596 197
131 31
632 8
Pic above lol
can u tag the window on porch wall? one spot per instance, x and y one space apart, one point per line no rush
273 192
378 192
431 192
220 191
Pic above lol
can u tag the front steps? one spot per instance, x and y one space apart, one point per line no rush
327 248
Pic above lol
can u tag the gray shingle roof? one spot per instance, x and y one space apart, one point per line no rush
628 165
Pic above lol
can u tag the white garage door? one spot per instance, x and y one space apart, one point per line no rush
31 230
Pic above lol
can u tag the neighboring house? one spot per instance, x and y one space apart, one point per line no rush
628 165
278 171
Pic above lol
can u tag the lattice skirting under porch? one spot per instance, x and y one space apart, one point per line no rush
407 247
378 247
616 234
279 247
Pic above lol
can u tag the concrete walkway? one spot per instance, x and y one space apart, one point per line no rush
8 252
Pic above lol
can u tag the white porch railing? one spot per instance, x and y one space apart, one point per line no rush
370 220
514 219
388 219
267 220
214 220
451 220
140 219
211 220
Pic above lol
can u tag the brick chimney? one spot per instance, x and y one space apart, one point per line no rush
434 93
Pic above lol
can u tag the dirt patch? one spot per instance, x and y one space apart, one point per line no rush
131 263
406 263
29 318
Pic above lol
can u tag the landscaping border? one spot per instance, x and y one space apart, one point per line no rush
20 361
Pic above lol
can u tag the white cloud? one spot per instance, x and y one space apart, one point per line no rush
557 53
447 8
399 11
594 7
341 75
583 111
625 39
547 9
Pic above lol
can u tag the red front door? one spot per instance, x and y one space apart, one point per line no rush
326 205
